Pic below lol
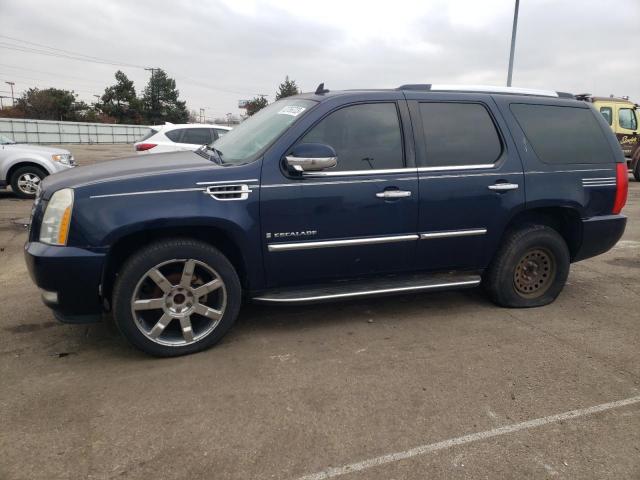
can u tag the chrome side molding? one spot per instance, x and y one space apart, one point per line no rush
282 247
148 192
453 233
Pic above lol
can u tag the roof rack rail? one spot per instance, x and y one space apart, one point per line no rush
484 89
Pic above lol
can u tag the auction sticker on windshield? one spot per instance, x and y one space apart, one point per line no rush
292 110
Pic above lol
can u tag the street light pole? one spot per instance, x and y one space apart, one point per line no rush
513 43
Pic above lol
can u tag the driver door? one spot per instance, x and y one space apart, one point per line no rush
356 219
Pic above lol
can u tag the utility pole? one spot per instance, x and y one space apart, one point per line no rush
513 42
153 96
13 101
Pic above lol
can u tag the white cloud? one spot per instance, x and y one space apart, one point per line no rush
221 51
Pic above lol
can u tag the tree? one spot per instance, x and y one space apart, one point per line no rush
287 89
120 101
258 103
160 100
50 104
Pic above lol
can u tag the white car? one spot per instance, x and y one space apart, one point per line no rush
24 166
173 137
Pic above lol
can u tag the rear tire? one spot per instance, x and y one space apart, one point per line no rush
25 181
176 297
530 269
636 171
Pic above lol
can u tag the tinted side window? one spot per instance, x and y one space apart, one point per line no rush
607 114
365 137
197 136
563 134
459 134
627 119
221 131
174 135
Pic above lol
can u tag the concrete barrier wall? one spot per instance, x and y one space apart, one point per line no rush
48 131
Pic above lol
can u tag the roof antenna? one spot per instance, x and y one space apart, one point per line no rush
321 90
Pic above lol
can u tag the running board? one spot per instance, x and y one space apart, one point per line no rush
389 285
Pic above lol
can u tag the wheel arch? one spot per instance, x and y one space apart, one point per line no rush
126 245
563 219
24 163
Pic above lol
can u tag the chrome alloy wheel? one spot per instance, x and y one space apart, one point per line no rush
28 183
178 302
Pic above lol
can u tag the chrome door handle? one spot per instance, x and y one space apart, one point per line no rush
393 194
503 187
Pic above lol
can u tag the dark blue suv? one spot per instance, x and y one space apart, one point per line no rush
333 195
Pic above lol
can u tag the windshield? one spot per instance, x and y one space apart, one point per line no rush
248 139
5 140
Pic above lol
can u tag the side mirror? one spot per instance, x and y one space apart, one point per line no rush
311 157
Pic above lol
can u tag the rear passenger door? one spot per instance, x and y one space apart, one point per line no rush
470 179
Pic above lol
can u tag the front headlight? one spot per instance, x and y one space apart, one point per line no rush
64 158
57 218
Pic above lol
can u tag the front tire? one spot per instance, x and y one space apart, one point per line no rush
26 180
530 269
176 297
636 170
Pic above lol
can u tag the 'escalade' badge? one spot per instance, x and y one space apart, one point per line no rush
297 234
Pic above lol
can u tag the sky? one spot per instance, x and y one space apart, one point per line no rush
223 51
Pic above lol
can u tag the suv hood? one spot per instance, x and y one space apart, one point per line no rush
124 168
42 149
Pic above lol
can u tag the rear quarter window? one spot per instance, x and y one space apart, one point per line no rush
174 135
560 134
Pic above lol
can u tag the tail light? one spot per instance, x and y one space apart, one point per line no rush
141 147
622 187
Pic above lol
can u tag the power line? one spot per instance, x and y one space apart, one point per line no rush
70 55
84 79
49 80
66 53
24 49
60 50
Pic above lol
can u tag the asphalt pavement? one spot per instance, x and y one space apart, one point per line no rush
441 385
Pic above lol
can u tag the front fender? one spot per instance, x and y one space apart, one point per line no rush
99 223
19 157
